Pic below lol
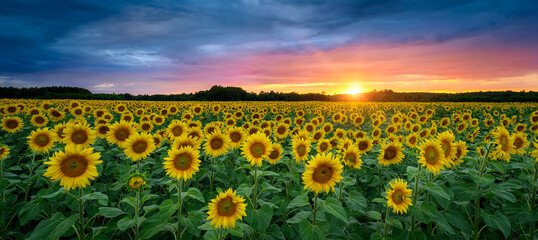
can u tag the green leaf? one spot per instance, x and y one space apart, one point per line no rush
408 235
497 221
149 197
437 191
349 181
46 228
503 194
196 194
101 198
265 173
313 232
485 180
244 190
260 219
167 209
355 201
425 212
299 217
62 227
299 201
376 236
458 219
110 212
192 222
373 215
395 223
151 227
131 201
269 187
273 233
333 207
411 172
126 223
31 210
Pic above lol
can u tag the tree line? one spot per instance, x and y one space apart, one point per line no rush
219 93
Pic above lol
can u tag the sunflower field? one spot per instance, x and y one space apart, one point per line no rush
73 169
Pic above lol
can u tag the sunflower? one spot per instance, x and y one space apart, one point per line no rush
364 145
177 129
101 130
236 136
322 173
352 158
411 140
432 156
74 167
504 142
139 146
399 196
447 143
256 147
391 153
182 163
226 209
324 145
520 142
79 134
41 140
216 144
12 124
157 140
4 152
119 133
136 182
300 148
276 153
146 126
39 120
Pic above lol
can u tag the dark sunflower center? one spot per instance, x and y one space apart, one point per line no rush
363 145
413 140
518 143
78 112
42 140
274 154
74 166
301 150
390 153
39 120
121 134
79 136
317 136
12 124
446 148
56 113
183 161
257 149
323 146
458 153
210 130
504 141
11 109
397 197
216 143
281 130
226 207
235 137
140 146
431 156
177 131
322 174
351 157
2 150
104 129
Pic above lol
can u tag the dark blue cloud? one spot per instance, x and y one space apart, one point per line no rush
136 36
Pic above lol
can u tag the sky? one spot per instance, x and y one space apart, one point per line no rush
338 46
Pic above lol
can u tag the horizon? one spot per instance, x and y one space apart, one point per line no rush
344 47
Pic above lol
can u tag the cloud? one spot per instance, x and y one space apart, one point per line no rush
105 85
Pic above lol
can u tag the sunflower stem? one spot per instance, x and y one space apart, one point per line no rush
30 176
315 209
341 185
211 183
476 232
385 226
180 200
81 213
137 209
415 196
255 193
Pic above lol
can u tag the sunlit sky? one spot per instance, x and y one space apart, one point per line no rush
347 46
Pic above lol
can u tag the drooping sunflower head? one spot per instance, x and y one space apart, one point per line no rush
276 153
138 146
226 209
136 182
41 140
257 147
74 167
182 163
185 141
236 136
4 152
12 124
79 134
461 152
399 196
216 144
432 156
322 173
352 157
391 153
120 132
300 148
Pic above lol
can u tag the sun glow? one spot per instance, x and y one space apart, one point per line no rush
353 91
